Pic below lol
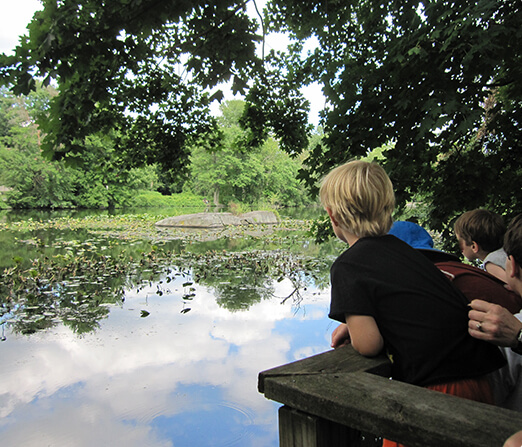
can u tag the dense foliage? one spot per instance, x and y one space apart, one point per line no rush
96 179
263 175
121 68
438 79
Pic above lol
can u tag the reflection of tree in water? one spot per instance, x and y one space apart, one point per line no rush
80 315
69 281
241 279
71 289
75 283
238 281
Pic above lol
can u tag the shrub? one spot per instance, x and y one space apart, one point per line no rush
154 198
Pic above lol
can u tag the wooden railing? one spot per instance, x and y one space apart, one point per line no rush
330 398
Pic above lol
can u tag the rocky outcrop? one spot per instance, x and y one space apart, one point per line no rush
219 220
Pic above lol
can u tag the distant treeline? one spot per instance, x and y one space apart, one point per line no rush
99 178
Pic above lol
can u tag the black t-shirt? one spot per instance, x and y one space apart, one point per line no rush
422 318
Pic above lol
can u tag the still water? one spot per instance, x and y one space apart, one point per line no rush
173 364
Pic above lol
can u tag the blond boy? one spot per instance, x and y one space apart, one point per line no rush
390 298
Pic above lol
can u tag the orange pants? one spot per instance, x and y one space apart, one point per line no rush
474 389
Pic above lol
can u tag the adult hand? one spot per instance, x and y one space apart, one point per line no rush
340 336
493 323
514 441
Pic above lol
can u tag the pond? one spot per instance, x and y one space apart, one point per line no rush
164 351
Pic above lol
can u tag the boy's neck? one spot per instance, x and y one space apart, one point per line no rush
481 254
351 238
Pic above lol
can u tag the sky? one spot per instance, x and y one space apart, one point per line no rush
145 381
14 17
16 14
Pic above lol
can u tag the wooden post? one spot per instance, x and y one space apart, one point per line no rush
298 429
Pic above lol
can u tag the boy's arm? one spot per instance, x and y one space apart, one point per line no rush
496 271
365 335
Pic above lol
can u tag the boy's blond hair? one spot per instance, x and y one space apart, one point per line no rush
360 197
484 227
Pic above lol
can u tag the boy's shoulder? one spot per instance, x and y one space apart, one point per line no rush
381 247
498 257
385 241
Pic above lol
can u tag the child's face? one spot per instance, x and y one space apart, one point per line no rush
466 250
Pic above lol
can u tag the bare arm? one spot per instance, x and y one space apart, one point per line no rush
496 271
365 335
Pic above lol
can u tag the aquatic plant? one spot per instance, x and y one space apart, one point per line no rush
75 278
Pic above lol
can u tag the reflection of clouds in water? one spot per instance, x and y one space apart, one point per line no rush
134 371
75 423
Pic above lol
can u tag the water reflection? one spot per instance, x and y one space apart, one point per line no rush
70 276
170 379
164 353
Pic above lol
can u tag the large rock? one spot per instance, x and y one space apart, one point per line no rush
219 220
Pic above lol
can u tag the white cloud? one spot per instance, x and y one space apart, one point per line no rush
15 15
135 373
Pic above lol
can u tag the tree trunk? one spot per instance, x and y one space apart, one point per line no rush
216 195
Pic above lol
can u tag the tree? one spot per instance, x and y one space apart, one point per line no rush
119 67
17 118
35 182
231 172
92 179
439 79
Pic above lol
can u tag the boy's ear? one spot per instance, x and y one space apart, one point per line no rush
332 218
475 247
515 268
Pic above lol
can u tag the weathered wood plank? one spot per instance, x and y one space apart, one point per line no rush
297 429
413 415
344 359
